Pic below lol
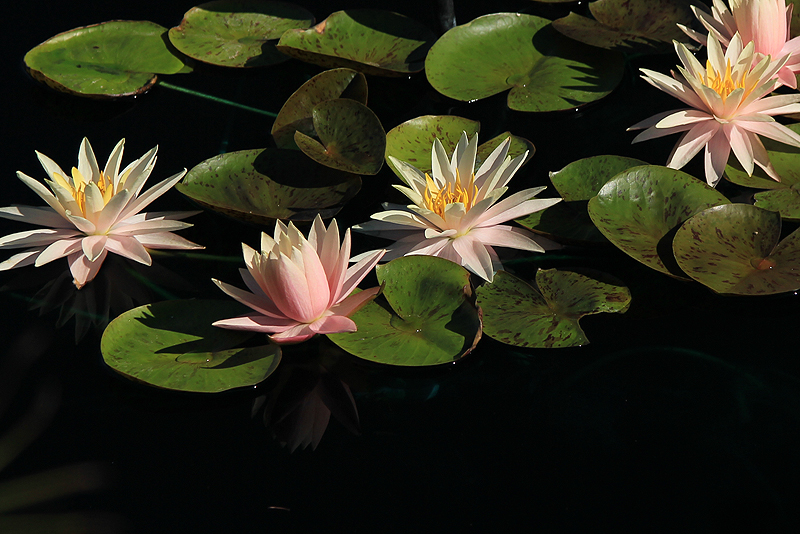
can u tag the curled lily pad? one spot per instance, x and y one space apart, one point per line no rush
734 249
546 316
412 140
639 209
107 60
371 41
544 70
173 345
424 317
297 112
627 23
783 196
577 183
238 33
351 138
266 184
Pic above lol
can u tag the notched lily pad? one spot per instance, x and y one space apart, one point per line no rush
734 249
546 316
107 60
412 141
371 41
783 196
544 70
351 137
266 184
640 209
238 33
423 318
629 23
568 221
297 112
173 345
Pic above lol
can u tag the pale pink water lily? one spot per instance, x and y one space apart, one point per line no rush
300 287
765 22
455 212
92 212
729 108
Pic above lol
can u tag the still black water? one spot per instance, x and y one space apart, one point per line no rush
681 415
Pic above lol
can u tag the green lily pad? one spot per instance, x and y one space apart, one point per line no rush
412 141
266 184
238 33
544 70
639 209
107 60
423 318
628 23
569 221
734 249
297 112
173 345
351 137
783 196
519 314
371 41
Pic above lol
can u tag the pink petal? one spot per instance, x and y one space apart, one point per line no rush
357 272
507 236
59 249
35 215
167 240
93 246
716 156
740 144
128 247
288 288
333 324
35 238
257 323
474 256
20 260
351 304
517 205
296 334
691 143
259 303
83 271
773 130
138 204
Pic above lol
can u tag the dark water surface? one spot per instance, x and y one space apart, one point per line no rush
681 415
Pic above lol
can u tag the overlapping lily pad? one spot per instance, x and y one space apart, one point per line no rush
734 249
639 210
577 183
266 184
628 23
546 316
351 137
371 41
108 60
297 112
783 196
423 318
544 70
173 345
238 33
412 141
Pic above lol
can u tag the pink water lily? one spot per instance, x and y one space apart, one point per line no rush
728 111
92 212
300 287
455 213
766 23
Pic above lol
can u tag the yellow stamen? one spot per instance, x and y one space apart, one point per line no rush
724 84
437 198
78 187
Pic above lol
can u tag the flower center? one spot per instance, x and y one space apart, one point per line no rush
77 187
437 198
723 83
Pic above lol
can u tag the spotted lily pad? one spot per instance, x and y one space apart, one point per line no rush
783 196
412 141
734 249
238 33
639 209
423 318
544 70
546 316
627 23
172 345
266 184
569 221
297 112
351 138
371 41
107 60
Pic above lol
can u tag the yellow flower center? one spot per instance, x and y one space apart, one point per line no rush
78 190
437 198
724 84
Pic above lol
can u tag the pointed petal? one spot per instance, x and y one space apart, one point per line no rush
128 247
333 324
167 240
257 323
357 272
507 236
93 246
21 259
83 271
474 256
354 302
140 203
260 303
35 215
59 249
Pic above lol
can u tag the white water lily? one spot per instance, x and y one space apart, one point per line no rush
455 213
92 212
